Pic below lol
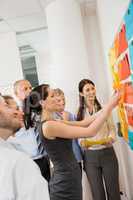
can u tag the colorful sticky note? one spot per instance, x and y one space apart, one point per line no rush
130 135
123 44
128 97
130 138
129 112
112 57
132 78
124 68
129 31
131 54
116 46
128 18
129 14
116 82
131 144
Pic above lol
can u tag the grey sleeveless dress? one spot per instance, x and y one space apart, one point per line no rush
65 184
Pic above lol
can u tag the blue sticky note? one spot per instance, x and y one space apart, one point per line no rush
131 145
131 54
132 78
130 138
129 31
130 135
129 14
128 18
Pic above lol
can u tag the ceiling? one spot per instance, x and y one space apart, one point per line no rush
27 15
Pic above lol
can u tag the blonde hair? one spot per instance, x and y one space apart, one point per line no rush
58 91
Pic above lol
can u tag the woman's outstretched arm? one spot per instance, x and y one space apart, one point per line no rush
53 129
83 123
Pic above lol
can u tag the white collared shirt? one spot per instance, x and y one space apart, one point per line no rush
20 177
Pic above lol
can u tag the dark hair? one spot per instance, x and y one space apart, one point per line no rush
81 109
32 106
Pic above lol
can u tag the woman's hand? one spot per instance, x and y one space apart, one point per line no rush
113 102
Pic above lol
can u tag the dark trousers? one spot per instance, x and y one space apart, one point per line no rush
99 165
44 166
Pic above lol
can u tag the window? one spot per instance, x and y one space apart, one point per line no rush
28 61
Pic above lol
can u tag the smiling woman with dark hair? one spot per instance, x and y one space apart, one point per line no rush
56 136
100 161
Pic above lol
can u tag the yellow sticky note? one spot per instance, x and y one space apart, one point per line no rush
112 57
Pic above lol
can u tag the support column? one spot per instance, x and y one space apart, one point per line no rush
68 48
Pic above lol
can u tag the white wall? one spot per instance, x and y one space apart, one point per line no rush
96 62
10 66
110 15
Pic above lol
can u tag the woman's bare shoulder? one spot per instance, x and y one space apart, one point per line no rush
49 128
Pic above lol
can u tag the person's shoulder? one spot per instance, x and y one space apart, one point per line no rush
23 132
50 124
72 117
10 155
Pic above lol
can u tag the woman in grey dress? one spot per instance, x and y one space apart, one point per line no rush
65 183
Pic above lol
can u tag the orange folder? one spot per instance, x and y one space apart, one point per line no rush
128 98
122 40
123 121
129 112
124 68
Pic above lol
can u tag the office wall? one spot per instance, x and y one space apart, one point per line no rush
96 63
10 66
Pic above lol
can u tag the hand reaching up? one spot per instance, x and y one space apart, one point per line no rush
114 100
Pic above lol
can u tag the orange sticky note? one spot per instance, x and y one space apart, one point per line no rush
122 40
116 46
128 98
129 112
124 68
